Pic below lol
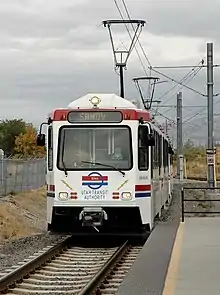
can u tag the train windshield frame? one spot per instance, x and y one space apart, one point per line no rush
108 145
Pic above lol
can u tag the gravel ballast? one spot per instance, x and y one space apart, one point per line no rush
14 251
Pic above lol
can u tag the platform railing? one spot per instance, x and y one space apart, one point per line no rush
183 200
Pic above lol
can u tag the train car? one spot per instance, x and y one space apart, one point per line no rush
109 168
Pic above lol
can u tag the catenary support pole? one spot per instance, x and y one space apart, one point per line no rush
179 137
122 93
210 83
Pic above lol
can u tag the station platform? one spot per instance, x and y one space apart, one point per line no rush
178 259
195 263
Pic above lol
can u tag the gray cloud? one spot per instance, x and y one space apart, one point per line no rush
38 18
53 51
196 18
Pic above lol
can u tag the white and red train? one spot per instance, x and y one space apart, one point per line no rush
109 168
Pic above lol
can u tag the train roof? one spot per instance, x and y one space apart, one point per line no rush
107 101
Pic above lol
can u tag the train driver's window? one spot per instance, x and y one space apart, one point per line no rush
50 148
143 148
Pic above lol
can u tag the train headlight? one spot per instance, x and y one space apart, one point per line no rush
63 196
95 100
126 196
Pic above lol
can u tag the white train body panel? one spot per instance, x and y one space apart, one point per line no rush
141 192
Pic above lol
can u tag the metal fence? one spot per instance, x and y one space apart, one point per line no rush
18 175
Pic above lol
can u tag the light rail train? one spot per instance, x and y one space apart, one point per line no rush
109 168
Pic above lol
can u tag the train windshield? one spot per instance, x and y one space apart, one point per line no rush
81 147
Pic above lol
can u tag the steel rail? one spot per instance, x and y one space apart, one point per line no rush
24 271
100 276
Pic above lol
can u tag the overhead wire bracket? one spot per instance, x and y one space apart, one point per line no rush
151 89
121 56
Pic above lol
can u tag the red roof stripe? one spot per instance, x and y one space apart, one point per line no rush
128 114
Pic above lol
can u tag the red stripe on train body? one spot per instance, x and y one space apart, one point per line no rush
94 178
142 187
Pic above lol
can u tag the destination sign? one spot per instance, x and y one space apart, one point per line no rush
94 117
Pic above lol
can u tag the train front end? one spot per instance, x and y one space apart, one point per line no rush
93 180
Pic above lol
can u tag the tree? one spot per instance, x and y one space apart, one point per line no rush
26 146
9 129
188 144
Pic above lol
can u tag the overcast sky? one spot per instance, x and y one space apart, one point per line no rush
53 51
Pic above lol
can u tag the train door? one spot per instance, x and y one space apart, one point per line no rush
161 173
50 174
169 176
166 172
144 175
155 181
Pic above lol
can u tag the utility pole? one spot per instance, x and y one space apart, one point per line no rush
179 137
210 151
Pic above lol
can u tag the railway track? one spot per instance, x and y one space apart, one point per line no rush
66 269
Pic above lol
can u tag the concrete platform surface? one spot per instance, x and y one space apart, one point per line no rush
194 267
148 273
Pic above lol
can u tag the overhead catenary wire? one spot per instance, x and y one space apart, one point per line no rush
147 59
199 112
189 77
178 82
191 74
142 49
150 66
169 119
166 76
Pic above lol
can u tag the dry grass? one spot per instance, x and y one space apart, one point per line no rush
198 168
22 214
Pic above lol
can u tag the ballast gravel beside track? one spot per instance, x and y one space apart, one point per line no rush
15 250
71 271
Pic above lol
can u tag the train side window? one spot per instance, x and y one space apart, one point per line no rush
143 148
164 154
160 142
152 163
157 151
50 148
153 153
158 147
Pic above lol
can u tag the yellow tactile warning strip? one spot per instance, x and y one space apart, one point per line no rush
172 273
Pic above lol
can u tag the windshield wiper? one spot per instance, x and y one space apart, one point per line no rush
64 167
104 165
